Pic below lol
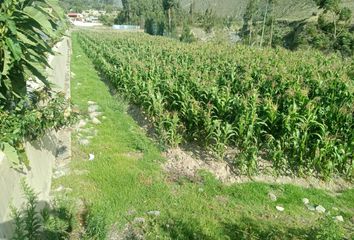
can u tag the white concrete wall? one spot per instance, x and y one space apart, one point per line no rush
43 154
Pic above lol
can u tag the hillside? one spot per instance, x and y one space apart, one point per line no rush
286 9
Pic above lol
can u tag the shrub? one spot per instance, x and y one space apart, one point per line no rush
187 35
30 224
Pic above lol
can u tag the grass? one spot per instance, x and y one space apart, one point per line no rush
126 181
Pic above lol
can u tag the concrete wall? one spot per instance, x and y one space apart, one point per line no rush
43 154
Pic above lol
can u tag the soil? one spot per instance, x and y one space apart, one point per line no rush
189 159
182 162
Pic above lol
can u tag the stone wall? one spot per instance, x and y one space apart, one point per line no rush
43 154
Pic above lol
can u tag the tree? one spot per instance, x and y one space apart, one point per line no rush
126 10
208 20
345 15
168 6
248 18
328 5
331 6
191 12
268 9
187 35
272 4
331 32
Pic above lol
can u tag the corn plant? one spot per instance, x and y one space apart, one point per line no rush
294 108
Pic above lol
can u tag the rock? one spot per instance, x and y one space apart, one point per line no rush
93 108
305 201
80 172
339 218
104 117
154 213
320 209
139 220
311 207
96 121
280 209
58 174
91 103
91 157
272 197
95 114
84 142
131 212
59 189
82 123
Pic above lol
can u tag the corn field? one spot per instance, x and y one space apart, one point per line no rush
293 109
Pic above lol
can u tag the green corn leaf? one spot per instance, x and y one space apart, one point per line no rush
38 58
7 61
11 154
40 18
12 26
14 47
37 71
24 39
41 45
3 18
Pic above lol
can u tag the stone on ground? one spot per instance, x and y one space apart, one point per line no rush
320 209
272 197
84 142
154 213
280 209
96 121
93 108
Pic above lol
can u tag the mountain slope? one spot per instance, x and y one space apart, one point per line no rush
286 9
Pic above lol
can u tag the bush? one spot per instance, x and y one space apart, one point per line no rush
29 121
187 35
28 31
154 27
51 223
107 20
345 44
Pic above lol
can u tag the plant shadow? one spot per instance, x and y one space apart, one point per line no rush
240 229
